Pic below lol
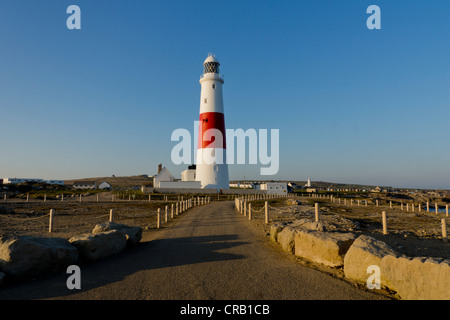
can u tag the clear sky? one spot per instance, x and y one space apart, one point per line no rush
353 105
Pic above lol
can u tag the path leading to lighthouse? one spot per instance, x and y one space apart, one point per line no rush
208 253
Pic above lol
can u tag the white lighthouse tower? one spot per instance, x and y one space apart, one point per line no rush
212 169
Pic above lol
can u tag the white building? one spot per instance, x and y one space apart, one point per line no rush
22 180
189 174
163 175
274 187
180 185
85 185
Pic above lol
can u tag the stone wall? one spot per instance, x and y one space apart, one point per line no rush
412 278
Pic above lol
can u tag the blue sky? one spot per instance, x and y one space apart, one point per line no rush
353 105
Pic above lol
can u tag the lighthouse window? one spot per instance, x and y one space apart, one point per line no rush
214 85
206 100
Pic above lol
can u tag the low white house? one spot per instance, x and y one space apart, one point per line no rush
85 185
163 175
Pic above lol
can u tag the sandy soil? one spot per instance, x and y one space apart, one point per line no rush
415 234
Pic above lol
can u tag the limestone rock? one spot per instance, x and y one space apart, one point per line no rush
274 230
95 246
286 239
417 278
364 252
292 202
27 256
321 247
132 233
308 225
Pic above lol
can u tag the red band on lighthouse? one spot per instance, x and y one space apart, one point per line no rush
208 139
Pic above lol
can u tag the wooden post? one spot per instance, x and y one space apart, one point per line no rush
446 210
249 211
401 206
45 197
366 203
171 211
444 231
158 219
383 218
436 207
317 212
80 197
245 208
412 207
428 206
407 207
111 215
176 208
28 197
62 197
420 207
390 204
166 218
266 212
377 202
50 223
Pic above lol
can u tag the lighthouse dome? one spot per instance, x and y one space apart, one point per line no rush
211 64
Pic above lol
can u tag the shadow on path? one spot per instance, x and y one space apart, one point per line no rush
156 254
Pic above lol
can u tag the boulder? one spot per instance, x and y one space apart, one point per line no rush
292 202
27 256
95 246
132 233
286 239
364 252
328 248
307 225
274 230
417 278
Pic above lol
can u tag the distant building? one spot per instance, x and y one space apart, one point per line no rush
308 184
23 180
85 185
242 185
273 187
189 173
104 186
180 184
147 188
163 175
58 182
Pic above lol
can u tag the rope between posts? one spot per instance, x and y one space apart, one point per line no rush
23 219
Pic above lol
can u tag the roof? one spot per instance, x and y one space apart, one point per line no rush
84 183
211 58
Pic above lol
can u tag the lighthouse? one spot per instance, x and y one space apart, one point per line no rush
211 169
